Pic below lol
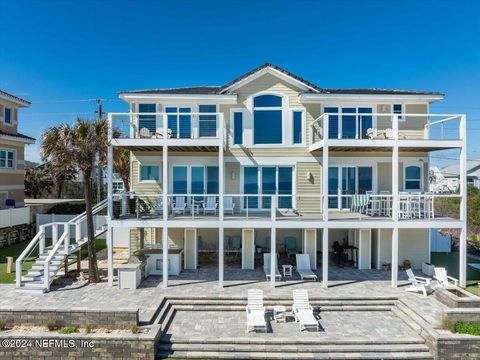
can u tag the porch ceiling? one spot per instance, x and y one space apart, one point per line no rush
174 148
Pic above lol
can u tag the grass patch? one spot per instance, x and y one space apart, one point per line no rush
467 328
16 249
68 330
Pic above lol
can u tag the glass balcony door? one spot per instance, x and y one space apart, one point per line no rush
349 122
353 180
181 125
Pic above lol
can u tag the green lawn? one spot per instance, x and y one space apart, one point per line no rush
451 262
15 251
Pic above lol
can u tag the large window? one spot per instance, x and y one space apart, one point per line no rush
348 122
181 125
268 180
195 179
237 128
6 159
297 127
267 119
413 178
147 121
207 123
149 173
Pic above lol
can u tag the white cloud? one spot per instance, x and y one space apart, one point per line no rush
32 153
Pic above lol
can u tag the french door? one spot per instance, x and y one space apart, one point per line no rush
346 181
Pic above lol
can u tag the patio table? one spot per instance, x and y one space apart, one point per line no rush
279 313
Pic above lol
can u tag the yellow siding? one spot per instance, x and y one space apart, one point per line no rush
308 186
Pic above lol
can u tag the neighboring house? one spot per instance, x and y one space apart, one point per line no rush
473 172
440 182
12 169
272 163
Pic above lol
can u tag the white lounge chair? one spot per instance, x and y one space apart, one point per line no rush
255 310
210 205
442 277
303 311
418 283
267 268
304 268
228 204
179 205
145 133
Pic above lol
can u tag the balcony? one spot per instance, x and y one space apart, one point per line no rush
412 207
183 131
373 131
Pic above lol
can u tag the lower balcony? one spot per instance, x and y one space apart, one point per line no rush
304 207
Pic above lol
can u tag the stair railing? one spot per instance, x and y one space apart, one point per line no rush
39 239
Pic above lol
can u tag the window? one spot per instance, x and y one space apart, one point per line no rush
207 123
412 178
237 128
349 122
181 125
332 122
365 177
149 173
8 116
267 119
180 181
297 127
147 121
398 109
212 180
6 159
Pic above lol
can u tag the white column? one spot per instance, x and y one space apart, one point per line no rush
325 258
273 255
220 257
325 172
165 205
110 254
221 171
109 206
394 256
463 203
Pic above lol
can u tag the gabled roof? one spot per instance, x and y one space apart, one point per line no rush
13 98
17 135
308 87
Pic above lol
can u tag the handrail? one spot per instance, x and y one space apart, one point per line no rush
51 254
25 253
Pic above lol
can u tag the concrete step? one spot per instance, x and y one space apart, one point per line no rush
285 301
227 307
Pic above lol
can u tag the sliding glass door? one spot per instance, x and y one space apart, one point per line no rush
268 180
349 122
195 179
181 125
347 180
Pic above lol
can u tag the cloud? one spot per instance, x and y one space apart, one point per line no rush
32 153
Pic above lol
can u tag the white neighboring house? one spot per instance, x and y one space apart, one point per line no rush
440 183
452 173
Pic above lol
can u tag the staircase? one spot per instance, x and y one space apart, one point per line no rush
51 258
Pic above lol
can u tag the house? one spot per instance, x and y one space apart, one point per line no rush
272 163
442 182
12 162
452 173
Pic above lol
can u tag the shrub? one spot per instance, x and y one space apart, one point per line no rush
3 324
87 328
68 330
467 328
51 324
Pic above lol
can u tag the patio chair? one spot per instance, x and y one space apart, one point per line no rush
210 205
158 207
303 311
159 133
418 283
145 133
374 206
442 277
179 205
267 269
255 310
236 244
228 204
291 246
304 268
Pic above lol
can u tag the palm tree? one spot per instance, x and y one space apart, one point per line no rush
121 163
82 145
38 181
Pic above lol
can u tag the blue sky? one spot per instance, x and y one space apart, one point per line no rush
58 54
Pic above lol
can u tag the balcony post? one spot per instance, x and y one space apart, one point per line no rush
221 172
325 181
463 202
394 257
165 205
220 256
273 255
325 258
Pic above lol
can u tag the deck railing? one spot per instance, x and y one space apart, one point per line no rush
378 126
170 125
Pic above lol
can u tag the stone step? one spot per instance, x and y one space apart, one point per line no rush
298 355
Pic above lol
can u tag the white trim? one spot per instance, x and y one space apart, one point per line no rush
407 164
315 98
14 100
303 125
219 99
140 181
14 162
17 139
232 127
269 70
12 187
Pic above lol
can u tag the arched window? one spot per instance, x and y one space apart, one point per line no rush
267 119
413 178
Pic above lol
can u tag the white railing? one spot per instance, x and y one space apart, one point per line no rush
39 240
14 216
159 125
377 126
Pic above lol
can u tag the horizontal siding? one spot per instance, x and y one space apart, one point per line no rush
143 187
312 185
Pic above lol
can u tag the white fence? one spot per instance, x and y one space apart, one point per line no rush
14 216
42 219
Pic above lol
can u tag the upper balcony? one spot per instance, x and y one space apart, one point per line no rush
373 131
180 130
